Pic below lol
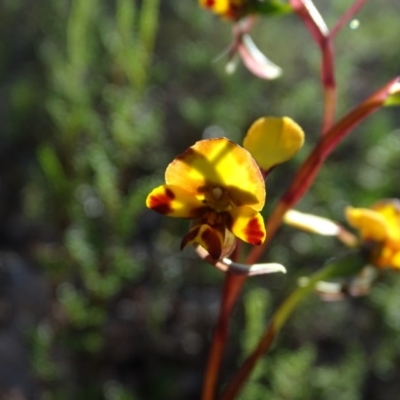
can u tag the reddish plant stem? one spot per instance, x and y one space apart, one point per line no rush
354 8
234 386
277 322
329 85
232 286
320 33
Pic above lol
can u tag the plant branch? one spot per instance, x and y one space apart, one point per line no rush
232 286
314 22
354 8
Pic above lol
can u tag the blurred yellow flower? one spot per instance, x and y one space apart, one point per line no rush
219 185
379 226
272 140
231 9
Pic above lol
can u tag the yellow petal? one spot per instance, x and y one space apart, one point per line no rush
371 224
222 164
247 224
387 258
390 211
206 236
272 140
217 6
175 202
311 223
395 261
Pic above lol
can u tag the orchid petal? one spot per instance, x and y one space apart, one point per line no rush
312 223
370 223
247 224
219 163
254 269
390 210
206 236
174 201
255 61
272 140
380 224
217 6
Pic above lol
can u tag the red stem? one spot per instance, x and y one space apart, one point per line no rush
319 32
232 286
347 16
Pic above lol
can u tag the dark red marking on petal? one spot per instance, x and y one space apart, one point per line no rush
161 203
254 232
210 3
169 193
183 156
190 236
228 220
213 241
203 188
198 211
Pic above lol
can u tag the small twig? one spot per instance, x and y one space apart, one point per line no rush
232 286
314 22
354 8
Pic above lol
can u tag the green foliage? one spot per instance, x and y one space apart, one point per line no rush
103 120
272 7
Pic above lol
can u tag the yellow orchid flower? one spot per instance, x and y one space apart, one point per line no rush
230 9
273 140
218 184
380 226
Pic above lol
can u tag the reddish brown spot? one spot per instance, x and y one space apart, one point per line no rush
253 232
213 241
161 203
202 189
190 236
169 193
198 211
187 153
228 220
210 3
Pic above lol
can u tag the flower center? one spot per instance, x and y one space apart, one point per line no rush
218 199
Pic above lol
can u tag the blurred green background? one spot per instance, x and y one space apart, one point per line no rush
96 300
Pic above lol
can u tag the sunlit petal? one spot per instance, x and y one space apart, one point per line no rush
219 163
395 261
380 224
390 210
216 6
247 224
175 202
255 61
254 269
371 224
206 236
312 223
272 140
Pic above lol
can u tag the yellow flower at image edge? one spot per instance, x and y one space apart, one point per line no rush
379 225
219 185
231 9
